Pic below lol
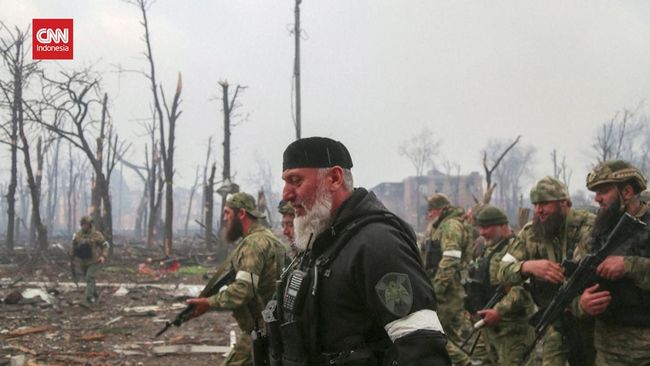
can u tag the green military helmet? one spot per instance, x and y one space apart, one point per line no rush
86 219
245 201
615 171
438 200
548 189
285 207
491 215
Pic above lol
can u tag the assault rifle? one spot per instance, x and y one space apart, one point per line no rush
499 294
213 286
583 277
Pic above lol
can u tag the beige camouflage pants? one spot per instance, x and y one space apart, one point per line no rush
240 355
453 321
507 346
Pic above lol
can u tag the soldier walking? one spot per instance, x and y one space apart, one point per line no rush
620 302
258 260
539 249
506 332
90 250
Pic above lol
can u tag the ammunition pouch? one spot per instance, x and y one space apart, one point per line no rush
477 286
274 337
543 292
433 255
629 305
259 346
83 251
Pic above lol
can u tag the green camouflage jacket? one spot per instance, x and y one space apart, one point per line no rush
258 260
528 247
629 342
450 232
87 247
517 306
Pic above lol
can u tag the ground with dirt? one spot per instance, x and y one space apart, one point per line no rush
138 295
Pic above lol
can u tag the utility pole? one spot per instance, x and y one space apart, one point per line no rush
296 66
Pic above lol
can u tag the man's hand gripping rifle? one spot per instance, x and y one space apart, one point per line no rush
499 294
213 286
583 277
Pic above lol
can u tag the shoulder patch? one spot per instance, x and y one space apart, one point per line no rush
395 292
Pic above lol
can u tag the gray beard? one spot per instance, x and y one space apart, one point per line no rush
315 220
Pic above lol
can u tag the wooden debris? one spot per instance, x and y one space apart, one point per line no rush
29 330
22 349
114 320
188 348
93 337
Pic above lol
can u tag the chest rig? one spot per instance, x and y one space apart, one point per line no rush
629 305
292 317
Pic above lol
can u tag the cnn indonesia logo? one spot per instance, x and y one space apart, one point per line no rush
52 39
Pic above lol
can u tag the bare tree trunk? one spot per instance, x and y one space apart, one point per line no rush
53 190
152 176
16 112
35 194
228 107
189 204
71 194
296 68
205 178
208 193
38 180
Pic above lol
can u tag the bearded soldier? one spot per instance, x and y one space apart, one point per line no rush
258 260
620 301
91 250
536 254
358 295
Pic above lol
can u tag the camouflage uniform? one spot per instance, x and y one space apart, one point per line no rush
285 208
508 339
87 247
615 343
450 233
528 247
258 260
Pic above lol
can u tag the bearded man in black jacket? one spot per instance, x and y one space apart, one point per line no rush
357 293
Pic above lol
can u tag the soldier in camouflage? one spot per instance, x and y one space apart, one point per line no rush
90 250
620 302
538 250
506 332
258 260
450 236
288 214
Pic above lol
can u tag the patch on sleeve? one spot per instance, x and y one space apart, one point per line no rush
395 292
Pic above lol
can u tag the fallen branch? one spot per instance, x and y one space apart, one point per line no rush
25 331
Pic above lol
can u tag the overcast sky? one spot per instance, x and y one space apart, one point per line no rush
374 73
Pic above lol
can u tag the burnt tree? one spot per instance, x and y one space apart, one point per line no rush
14 56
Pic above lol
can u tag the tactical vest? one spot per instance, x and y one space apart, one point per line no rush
433 257
297 293
478 288
541 291
630 305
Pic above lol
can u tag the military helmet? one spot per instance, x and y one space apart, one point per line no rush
86 219
438 200
285 207
491 215
548 189
615 171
